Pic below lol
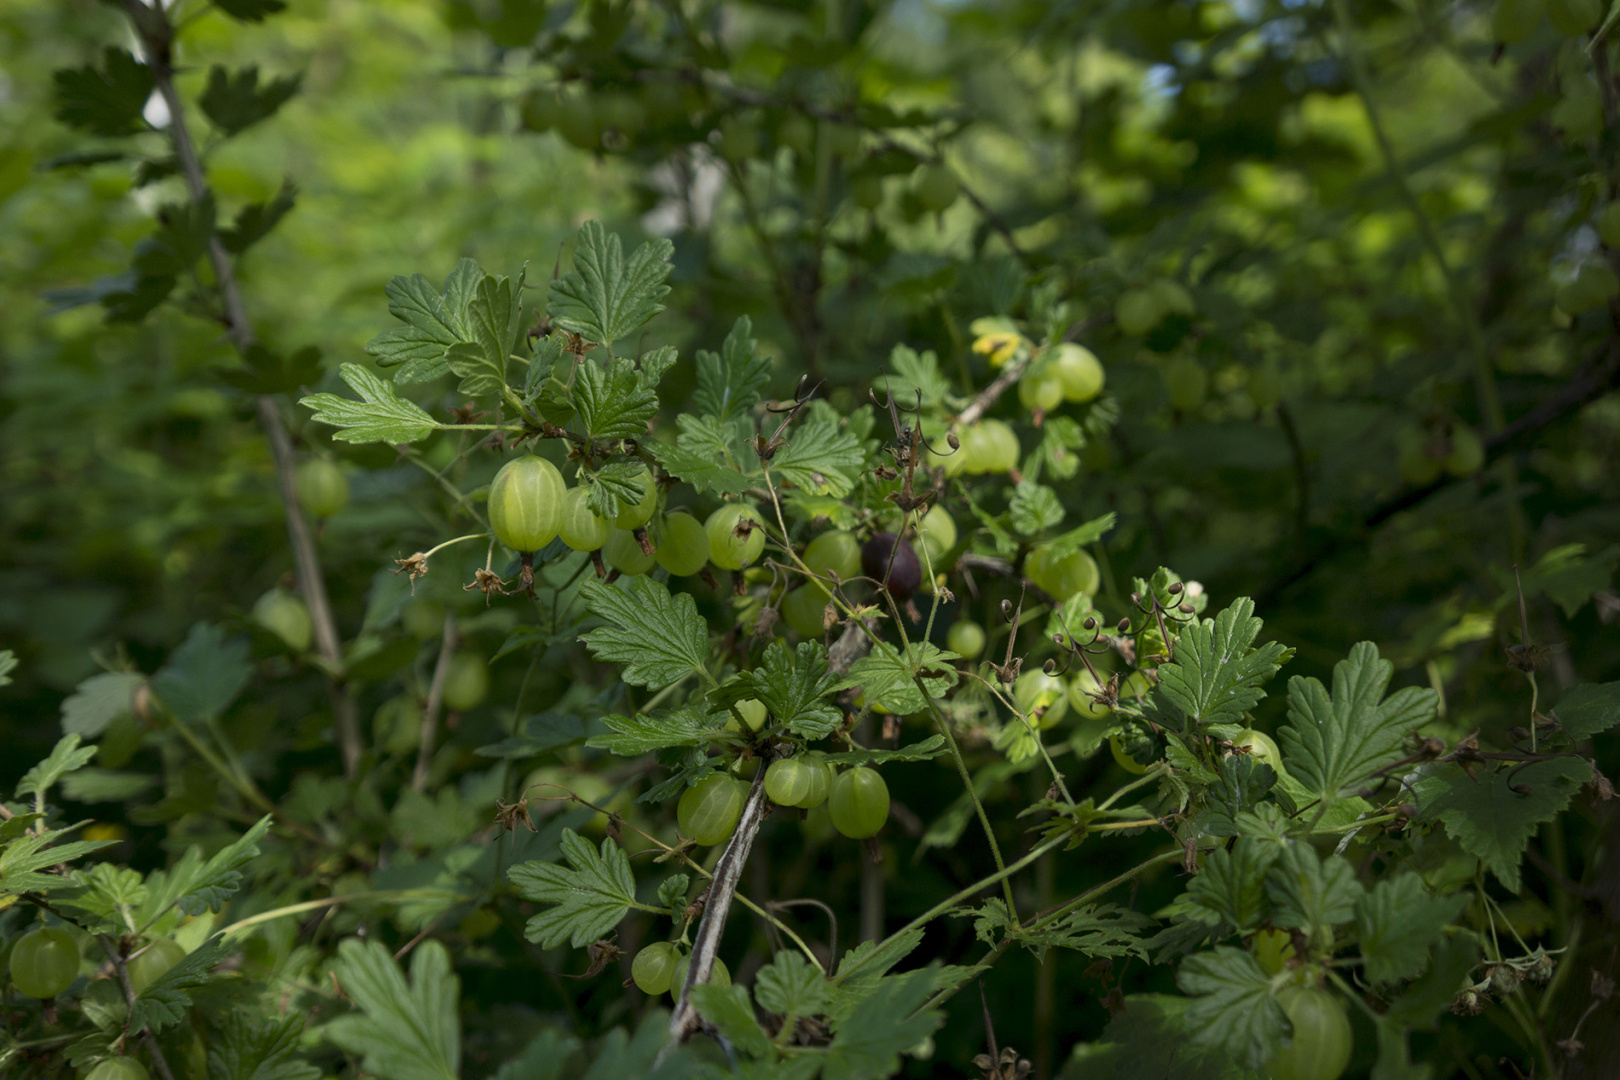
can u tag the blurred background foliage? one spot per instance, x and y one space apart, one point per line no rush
1380 376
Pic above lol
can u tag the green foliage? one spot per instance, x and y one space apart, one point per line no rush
658 638
591 898
403 1031
606 297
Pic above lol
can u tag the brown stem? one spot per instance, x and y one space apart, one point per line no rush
435 701
998 386
151 24
727 874
121 965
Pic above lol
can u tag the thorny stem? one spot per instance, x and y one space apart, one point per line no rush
151 24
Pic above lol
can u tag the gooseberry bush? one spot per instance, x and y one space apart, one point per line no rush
756 722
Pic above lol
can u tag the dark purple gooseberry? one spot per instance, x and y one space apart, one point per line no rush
906 573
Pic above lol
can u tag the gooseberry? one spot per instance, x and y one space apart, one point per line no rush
653 969
466 682
683 545
859 803
966 638
44 962
892 563
322 488
727 549
525 503
708 810
579 528
1320 1047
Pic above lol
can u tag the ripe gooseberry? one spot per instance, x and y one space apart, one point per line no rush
803 609
859 803
44 962
635 515
683 544
154 961
653 969
966 638
1078 371
708 810
1044 698
937 530
1320 1047
1062 578
623 552
285 616
466 682
322 487
727 549
525 503
788 781
579 528
837 552
719 975
892 563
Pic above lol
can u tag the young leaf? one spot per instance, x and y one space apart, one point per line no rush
612 402
1488 817
1034 508
1333 746
1312 893
604 297
634 735
255 220
1397 921
1217 674
1242 783
885 677
66 756
402 1032
868 1042
1234 1012
616 484
237 102
492 326
247 1049
23 857
706 455
197 886
591 898
1588 709
729 1009
1231 887
435 321
789 987
916 372
819 456
794 687
656 638
108 100
204 675
380 415
729 382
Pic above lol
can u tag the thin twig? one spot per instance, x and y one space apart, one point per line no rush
151 24
435 702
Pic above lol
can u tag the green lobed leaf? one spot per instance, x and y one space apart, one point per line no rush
729 382
108 100
401 1031
165 1001
1241 783
1487 817
547 1057
656 638
1451 963
591 898
611 402
927 750
196 885
1397 922
249 1048
380 415
105 785
794 687
606 297
255 220
820 456
915 373
236 101
491 330
1586 710
790 987
1234 1012
730 1010
615 485
1217 673
867 1042
65 757
182 237
1231 886
885 677
1150 1038
1034 508
203 676
435 321
24 857
1333 746
706 454
1312 893
634 735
